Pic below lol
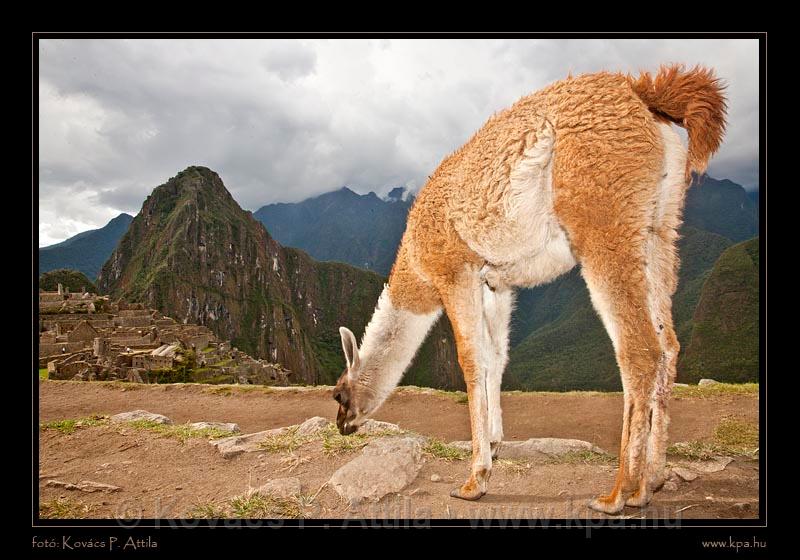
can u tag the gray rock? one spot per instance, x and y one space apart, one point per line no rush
84 486
536 448
670 486
684 473
313 426
376 427
280 487
463 445
385 465
235 445
436 478
706 467
706 382
224 426
137 415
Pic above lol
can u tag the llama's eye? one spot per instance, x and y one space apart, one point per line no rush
337 397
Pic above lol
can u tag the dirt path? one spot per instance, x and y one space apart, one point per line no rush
162 477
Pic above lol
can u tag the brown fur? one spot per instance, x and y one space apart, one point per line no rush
608 165
692 99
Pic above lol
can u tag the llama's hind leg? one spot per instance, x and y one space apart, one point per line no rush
464 305
661 273
662 280
497 306
620 297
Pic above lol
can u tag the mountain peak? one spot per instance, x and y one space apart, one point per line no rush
396 194
123 218
347 191
197 177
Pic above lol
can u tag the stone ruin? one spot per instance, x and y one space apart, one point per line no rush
87 337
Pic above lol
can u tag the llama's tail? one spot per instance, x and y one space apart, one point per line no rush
693 99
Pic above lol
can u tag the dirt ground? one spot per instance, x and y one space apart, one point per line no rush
163 477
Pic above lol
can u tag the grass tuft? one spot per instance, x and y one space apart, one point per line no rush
334 443
715 390
584 457
736 434
694 450
207 511
221 390
286 441
732 437
441 450
259 506
69 426
64 508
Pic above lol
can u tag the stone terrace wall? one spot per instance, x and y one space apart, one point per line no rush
55 349
145 321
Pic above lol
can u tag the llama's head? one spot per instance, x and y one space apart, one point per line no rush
353 398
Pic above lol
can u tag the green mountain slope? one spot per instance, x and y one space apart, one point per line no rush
721 206
195 255
362 230
724 339
74 280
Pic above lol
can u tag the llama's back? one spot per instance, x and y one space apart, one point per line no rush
579 137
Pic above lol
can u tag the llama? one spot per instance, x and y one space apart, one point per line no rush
588 171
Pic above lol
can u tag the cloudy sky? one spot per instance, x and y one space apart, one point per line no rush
282 120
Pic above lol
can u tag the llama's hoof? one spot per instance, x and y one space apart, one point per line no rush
471 490
638 500
469 495
495 448
607 504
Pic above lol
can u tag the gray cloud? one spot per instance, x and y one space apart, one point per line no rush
282 120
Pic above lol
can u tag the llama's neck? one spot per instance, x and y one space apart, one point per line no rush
390 342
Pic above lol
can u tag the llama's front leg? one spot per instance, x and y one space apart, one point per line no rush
497 307
464 305
476 484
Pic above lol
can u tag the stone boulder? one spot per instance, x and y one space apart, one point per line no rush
706 467
137 415
384 466
685 474
223 426
230 447
706 382
312 426
376 427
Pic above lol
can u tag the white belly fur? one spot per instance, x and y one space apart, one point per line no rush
528 246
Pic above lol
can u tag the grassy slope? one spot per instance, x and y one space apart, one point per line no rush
72 279
724 340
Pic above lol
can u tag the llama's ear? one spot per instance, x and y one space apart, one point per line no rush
350 347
